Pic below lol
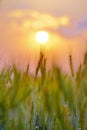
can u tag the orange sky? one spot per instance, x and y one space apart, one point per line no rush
67 28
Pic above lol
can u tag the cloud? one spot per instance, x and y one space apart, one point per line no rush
63 7
78 27
73 8
25 21
37 20
34 20
21 23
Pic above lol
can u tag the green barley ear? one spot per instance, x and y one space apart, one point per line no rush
71 66
78 74
39 63
27 70
43 69
85 60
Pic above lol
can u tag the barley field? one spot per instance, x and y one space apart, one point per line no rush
51 101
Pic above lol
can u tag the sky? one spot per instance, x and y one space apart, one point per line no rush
64 20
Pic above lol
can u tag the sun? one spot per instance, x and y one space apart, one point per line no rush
42 37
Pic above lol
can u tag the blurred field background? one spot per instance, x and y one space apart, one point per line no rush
52 101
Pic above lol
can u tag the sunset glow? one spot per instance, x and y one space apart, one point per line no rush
24 25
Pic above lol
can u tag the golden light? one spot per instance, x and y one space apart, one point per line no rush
42 37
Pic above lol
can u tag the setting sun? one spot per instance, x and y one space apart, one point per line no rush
42 37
